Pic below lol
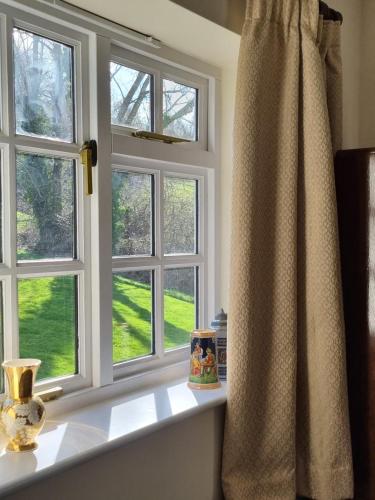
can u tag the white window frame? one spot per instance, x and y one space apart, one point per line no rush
159 262
160 71
12 143
100 41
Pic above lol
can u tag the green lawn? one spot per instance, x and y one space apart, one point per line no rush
47 321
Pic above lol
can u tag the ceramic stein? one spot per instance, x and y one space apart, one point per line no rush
203 362
22 414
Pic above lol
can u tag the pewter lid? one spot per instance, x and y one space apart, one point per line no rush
220 319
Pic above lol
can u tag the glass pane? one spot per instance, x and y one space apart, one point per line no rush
43 86
130 97
48 323
132 313
180 215
131 213
179 306
45 207
1 338
179 110
1 208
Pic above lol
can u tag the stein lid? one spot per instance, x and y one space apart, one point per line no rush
206 332
220 319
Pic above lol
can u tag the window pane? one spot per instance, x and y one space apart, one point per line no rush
1 338
1 207
132 313
180 215
130 97
179 306
43 86
45 207
131 213
179 110
48 323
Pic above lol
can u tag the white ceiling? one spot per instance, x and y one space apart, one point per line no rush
173 25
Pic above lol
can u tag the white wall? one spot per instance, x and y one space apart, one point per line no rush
367 76
227 100
227 13
351 58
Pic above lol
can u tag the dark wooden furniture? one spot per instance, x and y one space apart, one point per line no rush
355 185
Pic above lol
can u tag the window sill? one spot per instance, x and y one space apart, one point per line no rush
82 434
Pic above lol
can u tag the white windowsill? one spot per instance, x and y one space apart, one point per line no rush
81 434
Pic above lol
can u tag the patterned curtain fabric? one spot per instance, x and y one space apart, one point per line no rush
287 427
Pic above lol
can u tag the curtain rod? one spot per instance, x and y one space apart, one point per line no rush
144 37
328 13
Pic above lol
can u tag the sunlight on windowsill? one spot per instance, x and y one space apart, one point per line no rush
97 428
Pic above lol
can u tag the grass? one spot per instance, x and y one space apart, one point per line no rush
131 326
47 321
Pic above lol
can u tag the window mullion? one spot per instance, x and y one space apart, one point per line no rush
4 75
11 342
101 227
158 103
159 272
9 254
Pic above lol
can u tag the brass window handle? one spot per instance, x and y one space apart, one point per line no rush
153 136
88 155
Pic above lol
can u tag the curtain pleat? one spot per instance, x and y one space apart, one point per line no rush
287 428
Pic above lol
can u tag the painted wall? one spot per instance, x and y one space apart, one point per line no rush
351 59
179 462
367 76
227 13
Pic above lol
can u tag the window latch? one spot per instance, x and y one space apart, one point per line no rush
152 136
89 155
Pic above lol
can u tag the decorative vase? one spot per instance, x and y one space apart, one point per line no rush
203 362
22 414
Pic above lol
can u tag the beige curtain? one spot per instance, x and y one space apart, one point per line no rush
287 429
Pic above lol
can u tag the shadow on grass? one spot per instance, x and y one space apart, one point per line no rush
48 324
173 335
143 336
48 328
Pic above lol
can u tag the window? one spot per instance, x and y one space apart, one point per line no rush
180 216
43 86
132 213
99 287
180 110
156 97
46 267
46 207
131 97
133 314
180 305
155 234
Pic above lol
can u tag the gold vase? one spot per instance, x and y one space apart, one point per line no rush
22 414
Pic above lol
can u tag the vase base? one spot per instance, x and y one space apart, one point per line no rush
21 447
204 387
